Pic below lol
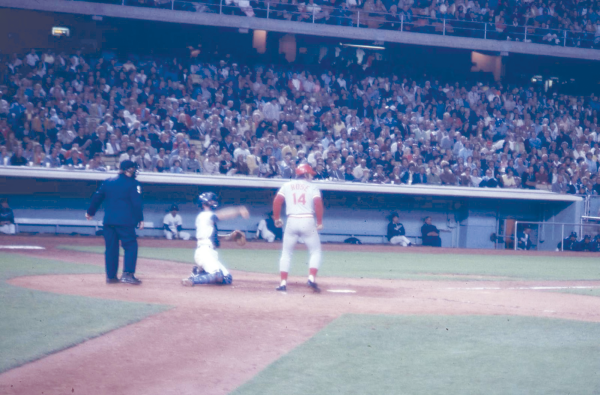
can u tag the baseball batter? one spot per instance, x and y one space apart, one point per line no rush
303 203
209 269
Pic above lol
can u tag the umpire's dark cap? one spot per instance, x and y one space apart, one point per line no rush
394 215
126 165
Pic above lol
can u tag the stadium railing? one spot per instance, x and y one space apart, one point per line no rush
57 223
361 18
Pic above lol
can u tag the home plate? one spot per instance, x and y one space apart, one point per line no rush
21 248
341 291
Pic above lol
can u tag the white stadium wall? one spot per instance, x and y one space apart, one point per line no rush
466 216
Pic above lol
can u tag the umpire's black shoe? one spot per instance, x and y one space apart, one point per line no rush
112 280
129 278
314 286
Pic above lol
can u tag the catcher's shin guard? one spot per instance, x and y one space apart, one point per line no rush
208 278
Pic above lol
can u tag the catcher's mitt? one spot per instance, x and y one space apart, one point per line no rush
238 236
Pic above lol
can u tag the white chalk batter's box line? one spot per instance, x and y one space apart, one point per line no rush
21 248
527 288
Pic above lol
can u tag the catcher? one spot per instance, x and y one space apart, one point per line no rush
209 269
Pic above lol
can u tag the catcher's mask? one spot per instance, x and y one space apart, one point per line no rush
210 199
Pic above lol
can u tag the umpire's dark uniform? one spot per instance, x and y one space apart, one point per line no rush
122 213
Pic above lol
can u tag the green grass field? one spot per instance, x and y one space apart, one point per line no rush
355 354
373 355
411 266
34 324
582 291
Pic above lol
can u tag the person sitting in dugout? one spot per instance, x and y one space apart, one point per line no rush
396 233
267 229
595 244
568 244
7 218
584 245
524 239
430 234
173 225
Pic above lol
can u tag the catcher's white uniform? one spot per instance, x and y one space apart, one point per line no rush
173 223
299 198
206 255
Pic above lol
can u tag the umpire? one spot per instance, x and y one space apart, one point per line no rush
122 213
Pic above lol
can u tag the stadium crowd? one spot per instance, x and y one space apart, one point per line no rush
565 22
352 122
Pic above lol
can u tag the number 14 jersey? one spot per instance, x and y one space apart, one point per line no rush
299 196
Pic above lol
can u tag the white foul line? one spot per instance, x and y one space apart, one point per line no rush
21 248
534 288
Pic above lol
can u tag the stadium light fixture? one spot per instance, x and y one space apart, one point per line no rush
61 31
363 46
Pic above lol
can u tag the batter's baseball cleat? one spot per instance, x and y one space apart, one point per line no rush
314 286
187 282
281 288
129 278
112 280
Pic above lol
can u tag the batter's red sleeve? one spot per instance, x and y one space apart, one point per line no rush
277 203
319 209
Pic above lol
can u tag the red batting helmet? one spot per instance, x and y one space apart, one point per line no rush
304 169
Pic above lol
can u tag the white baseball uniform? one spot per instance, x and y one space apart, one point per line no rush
173 222
299 198
264 231
206 255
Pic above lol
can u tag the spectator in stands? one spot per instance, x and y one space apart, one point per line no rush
541 179
508 179
430 234
560 186
53 160
489 181
17 159
128 154
160 166
447 177
7 218
394 133
176 167
211 167
75 160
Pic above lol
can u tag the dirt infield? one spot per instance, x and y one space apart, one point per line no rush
217 338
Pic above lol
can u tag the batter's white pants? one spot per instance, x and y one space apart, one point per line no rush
8 229
306 229
181 235
402 240
265 233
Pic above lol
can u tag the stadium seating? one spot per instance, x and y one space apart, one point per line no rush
563 23
351 121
